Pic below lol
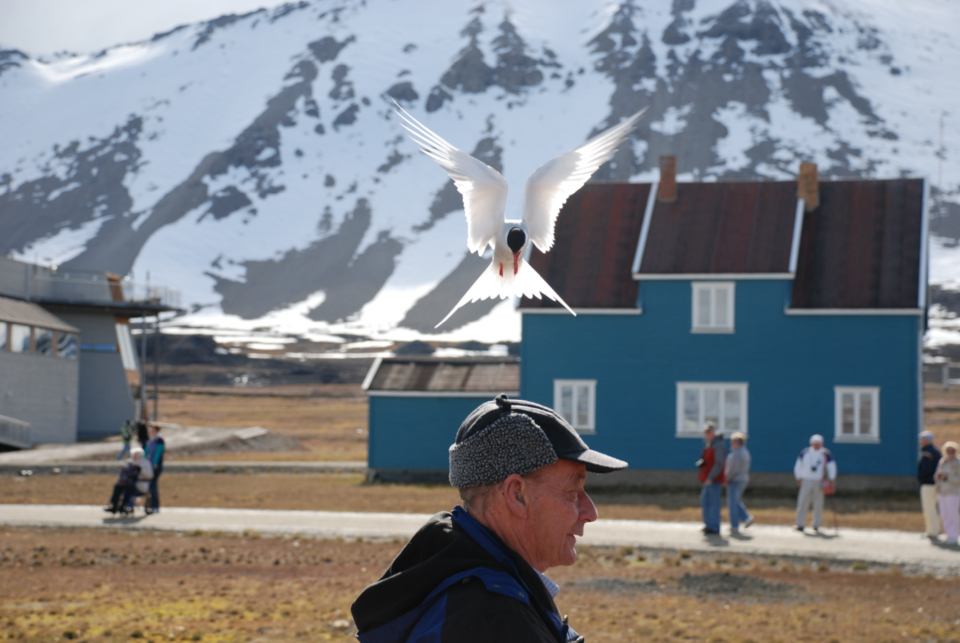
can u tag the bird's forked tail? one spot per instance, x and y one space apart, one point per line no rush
526 283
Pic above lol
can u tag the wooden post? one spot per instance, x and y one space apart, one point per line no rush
945 376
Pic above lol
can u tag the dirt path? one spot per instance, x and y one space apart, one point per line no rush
885 547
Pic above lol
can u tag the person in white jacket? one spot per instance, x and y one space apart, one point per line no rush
814 465
134 477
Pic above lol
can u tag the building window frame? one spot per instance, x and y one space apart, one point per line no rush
582 420
44 341
848 406
689 427
713 306
68 345
17 337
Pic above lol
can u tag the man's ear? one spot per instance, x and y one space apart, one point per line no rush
514 488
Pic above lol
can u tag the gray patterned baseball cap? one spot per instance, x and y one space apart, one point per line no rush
502 437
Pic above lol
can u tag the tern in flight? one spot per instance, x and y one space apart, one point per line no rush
484 194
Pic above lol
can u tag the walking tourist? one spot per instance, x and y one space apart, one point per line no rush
126 433
948 491
155 452
816 473
926 468
737 473
711 463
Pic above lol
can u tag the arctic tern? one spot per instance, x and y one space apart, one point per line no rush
484 193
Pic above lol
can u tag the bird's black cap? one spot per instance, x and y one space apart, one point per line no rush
566 442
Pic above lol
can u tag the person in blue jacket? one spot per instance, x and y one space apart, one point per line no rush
154 452
477 574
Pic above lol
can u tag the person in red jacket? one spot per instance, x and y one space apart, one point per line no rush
711 477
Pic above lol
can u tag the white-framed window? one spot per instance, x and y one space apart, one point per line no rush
576 402
713 307
723 403
857 413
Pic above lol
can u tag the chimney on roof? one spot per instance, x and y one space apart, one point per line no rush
668 179
808 186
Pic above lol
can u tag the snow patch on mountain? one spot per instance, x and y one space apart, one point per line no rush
255 162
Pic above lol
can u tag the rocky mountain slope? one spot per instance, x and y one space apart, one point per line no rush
254 162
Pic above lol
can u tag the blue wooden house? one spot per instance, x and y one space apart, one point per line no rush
416 405
779 309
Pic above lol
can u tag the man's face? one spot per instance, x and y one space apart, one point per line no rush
816 445
709 434
558 509
153 431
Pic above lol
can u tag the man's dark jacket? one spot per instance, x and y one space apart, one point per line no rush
486 591
927 466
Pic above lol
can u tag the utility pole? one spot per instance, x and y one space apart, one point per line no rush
156 366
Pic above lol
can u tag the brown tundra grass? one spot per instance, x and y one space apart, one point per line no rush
97 585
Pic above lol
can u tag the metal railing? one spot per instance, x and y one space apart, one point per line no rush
15 433
39 283
92 287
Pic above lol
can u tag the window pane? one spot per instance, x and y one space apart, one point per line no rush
44 341
703 307
3 335
67 345
566 403
731 410
19 338
128 350
846 413
866 413
721 317
691 410
711 406
583 407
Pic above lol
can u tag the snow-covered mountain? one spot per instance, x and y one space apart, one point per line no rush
254 162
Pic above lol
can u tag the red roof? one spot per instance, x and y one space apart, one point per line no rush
596 239
859 249
722 228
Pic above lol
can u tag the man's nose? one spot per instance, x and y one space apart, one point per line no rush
588 510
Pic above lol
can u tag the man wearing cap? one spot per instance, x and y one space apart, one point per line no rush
926 468
477 573
814 466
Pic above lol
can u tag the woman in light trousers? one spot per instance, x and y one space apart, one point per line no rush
948 491
737 473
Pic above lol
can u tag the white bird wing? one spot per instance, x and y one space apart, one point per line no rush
550 185
484 190
526 283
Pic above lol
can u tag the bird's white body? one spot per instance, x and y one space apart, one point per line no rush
484 194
